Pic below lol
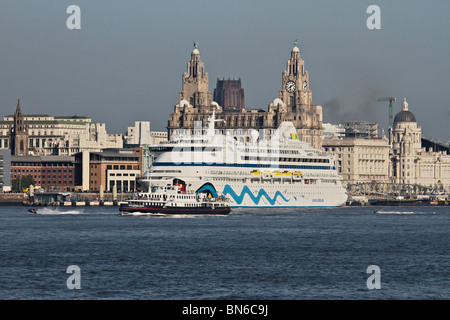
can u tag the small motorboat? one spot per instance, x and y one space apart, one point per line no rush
32 210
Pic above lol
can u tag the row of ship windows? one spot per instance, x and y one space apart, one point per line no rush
279 159
185 149
246 165
271 151
185 197
159 204
306 181
238 165
217 149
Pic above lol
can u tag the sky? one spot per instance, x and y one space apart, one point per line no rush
126 62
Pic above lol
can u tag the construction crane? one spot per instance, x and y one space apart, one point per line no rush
391 103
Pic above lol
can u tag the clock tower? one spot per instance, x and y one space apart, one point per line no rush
295 83
292 104
296 100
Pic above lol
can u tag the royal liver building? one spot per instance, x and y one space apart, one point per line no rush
294 103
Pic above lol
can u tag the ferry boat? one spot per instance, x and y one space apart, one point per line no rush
276 170
174 200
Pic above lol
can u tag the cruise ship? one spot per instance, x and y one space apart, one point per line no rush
276 171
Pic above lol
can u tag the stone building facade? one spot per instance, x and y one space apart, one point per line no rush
141 135
294 103
401 159
44 135
360 160
412 163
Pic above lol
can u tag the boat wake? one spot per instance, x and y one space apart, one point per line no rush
402 212
57 211
167 215
142 214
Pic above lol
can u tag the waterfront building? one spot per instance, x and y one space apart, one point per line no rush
351 129
84 171
43 135
141 135
411 162
435 145
360 160
109 168
5 170
53 172
294 104
159 137
360 129
330 130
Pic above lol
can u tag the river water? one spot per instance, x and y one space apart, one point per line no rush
281 254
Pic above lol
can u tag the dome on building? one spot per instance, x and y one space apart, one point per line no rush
184 103
405 115
278 102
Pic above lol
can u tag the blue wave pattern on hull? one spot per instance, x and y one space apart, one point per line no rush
239 198
208 188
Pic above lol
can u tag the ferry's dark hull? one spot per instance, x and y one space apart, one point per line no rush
125 208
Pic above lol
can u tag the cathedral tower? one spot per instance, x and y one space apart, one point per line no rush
230 95
19 134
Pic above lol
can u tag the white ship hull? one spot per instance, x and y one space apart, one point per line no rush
280 172
283 194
